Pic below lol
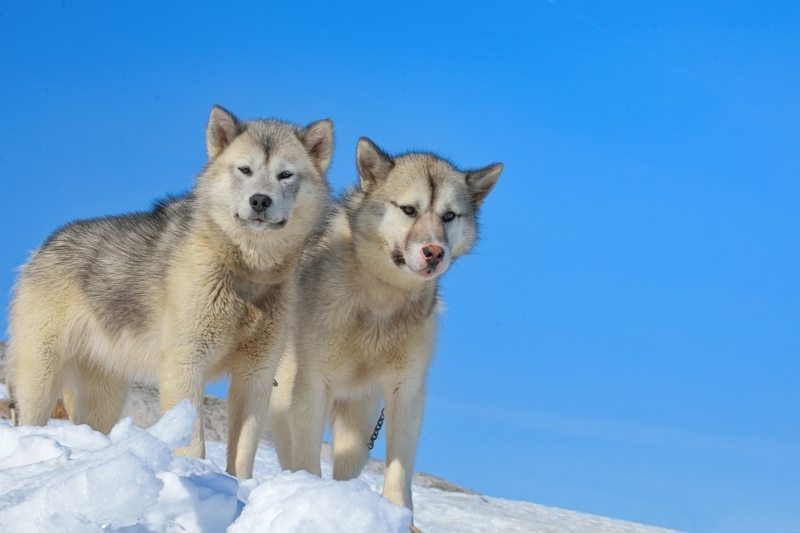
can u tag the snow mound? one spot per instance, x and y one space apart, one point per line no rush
302 502
64 477
70 478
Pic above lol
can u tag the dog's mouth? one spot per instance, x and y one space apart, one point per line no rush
269 225
261 224
428 272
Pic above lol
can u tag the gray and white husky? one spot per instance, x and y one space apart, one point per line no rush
199 286
363 328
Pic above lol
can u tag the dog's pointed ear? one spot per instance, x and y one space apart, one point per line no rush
222 129
481 181
373 164
317 137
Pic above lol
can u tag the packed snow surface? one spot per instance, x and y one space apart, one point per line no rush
71 478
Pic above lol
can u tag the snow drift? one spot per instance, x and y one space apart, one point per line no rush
71 478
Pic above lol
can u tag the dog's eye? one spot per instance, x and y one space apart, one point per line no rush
285 175
245 170
409 210
447 217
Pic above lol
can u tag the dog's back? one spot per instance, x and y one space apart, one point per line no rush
114 263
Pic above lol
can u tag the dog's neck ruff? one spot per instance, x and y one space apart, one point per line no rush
385 298
256 258
274 274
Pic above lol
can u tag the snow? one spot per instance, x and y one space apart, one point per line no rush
64 477
302 502
71 478
4 392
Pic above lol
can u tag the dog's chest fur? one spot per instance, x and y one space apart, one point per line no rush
369 342
261 307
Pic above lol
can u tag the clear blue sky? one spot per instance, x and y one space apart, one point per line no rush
626 338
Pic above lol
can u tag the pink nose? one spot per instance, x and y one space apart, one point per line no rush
433 255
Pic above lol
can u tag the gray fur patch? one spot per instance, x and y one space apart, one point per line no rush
119 260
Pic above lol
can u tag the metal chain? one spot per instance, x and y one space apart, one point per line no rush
377 430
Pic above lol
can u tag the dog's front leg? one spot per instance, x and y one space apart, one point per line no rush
183 377
248 404
404 406
307 420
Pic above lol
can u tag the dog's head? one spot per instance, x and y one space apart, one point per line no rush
419 212
264 175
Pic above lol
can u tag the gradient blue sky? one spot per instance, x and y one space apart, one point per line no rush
626 338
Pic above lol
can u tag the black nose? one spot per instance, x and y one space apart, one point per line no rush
260 202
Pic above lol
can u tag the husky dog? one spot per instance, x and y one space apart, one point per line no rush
365 319
199 286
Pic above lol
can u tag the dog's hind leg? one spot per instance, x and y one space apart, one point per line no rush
37 378
353 423
94 397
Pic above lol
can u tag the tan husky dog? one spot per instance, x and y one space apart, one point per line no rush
199 286
365 321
